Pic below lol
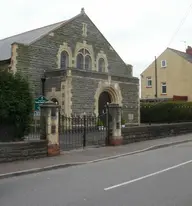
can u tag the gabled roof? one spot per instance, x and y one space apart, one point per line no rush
184 55
29 37
24 38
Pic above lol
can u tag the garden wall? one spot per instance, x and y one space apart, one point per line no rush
22 150
148 132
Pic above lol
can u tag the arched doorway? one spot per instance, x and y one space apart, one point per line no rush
55 100
104 98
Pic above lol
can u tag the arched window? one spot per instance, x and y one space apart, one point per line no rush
80 61
88 62
84 60
64 60
101 65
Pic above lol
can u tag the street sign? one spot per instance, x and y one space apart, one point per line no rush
36 113
38 101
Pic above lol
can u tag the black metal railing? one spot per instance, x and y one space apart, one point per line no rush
33 131
81 131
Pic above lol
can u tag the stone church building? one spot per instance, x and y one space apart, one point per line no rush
82 71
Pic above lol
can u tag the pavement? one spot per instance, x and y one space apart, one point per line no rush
156 177
88 155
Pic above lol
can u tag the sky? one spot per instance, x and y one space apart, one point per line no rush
138 30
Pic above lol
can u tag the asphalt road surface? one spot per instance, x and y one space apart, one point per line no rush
160 177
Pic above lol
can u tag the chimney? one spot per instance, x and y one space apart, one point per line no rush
189 50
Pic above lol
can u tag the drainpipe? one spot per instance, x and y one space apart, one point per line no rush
155 77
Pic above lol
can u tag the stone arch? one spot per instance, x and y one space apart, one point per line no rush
102 55
55 100
113 90
89 48
67 49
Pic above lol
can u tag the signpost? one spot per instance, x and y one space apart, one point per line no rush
38 101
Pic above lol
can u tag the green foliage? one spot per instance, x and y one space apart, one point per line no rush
166 112
16 105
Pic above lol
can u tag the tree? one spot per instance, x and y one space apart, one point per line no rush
16 105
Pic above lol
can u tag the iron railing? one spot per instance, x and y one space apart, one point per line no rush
81 131
33 131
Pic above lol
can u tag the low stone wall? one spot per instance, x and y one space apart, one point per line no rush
22 150
148 132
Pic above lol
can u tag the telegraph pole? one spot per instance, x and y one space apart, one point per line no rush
155 77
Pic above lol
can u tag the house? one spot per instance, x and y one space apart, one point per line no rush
73 64
170 79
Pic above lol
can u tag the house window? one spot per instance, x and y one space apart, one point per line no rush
163 63
149 82
64 60
101 65
163 88
84 60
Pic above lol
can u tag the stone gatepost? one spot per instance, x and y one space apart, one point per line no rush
114 117
49 123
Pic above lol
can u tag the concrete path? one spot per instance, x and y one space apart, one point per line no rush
157 177
85 156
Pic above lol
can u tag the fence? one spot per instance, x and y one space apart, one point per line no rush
81 131
33 131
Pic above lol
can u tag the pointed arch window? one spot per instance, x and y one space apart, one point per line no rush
84 60
64 60
80 61
101 65
88 62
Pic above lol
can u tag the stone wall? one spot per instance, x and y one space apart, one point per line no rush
130 109
148 132
42 55
22 150
83 90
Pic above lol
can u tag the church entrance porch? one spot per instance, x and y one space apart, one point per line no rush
104 100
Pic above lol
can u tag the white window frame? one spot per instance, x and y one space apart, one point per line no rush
148 80
163 84
163 65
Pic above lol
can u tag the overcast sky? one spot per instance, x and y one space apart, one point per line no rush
138 30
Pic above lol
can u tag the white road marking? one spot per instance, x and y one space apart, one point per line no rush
146 176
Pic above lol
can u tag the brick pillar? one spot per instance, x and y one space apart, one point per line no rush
49 122
115 138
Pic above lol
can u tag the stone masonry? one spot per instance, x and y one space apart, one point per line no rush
76 90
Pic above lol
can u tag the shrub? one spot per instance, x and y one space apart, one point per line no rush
16 105
166 112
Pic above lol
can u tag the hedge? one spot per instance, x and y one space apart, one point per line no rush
15 106
166 112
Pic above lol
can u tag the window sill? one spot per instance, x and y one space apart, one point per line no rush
148 87
164 94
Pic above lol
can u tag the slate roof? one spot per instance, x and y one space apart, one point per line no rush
24 38
186 56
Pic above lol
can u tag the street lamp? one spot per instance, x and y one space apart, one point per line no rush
43 79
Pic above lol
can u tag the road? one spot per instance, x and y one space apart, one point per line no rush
154 178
